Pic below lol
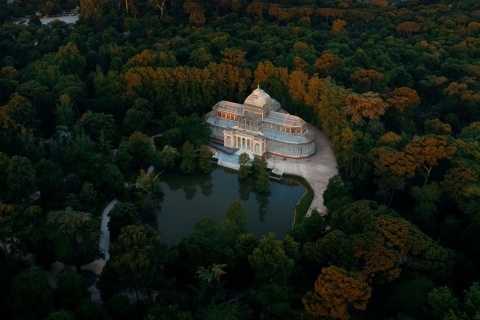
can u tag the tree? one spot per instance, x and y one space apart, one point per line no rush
20 179
167 157
337 26
367 80
441 300
70 290
94 123
209 279
262 183
31 295
403 98
188 163
81 230
49 180
64 111
407 28
365 106
427 150
337 293
136 254
235 223
61 315
134 121
472 301
69 59
205 159
135 153
326 64
272 261
122 215
244 162
337 194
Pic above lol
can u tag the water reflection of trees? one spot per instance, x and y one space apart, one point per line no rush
206 185
244 188
263 201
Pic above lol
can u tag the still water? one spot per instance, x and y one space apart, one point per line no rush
188 198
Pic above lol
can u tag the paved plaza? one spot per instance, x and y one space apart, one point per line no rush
316 169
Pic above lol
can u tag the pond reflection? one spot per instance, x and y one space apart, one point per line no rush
188 198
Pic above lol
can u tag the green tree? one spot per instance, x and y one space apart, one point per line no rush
205 159
61 315
20 179
69 60
135 255
94 123
49 176
188 163
167 157
135 153
122 215
337 194
472 301
271 261
81 231
235 223
70 290
244 162
196 131
262 183
31 295
134 121
209 278
441 301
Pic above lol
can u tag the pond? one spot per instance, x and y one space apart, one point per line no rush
188 198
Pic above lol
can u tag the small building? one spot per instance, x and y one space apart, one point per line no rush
260 126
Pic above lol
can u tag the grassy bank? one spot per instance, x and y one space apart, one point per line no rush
301 209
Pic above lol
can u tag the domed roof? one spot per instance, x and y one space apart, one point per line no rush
258 98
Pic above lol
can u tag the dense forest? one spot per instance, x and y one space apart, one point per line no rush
392 84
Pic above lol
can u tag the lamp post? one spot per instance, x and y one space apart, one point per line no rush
273 163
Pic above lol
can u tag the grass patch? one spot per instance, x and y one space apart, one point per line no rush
301 208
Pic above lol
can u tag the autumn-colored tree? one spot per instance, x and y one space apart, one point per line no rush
391 167
234 56
366 80
195 11
427 150
408 27
435 126
257 8
326 64
337 293
403 97
365 106
337 26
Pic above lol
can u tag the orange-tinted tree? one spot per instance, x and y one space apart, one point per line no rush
337 293
403 97
368 106
427 150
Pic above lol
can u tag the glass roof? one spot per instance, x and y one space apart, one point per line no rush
230 107
284 119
